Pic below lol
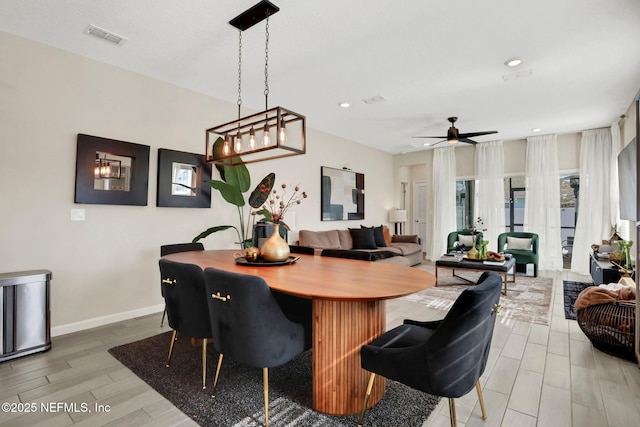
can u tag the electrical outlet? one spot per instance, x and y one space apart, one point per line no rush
77 215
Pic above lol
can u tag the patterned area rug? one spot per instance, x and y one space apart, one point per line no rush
571 291
528 299
239 397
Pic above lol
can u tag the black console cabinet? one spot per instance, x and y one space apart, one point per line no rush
603 271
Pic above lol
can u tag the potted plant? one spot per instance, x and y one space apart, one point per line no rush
236 180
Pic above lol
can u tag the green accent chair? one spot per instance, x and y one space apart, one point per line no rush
453 238
522 256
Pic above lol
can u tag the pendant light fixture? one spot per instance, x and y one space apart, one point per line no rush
270 134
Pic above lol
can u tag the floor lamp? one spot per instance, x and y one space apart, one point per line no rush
399 217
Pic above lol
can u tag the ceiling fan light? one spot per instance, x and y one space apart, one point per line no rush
452 135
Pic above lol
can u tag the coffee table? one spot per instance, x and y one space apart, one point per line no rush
456 263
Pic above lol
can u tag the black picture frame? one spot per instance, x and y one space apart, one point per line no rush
138 179
202 196
342 194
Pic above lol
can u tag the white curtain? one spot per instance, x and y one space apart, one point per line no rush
594 209
444 199
542 199
489 197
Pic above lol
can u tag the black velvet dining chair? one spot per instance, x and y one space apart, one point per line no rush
445 357
186 301
173 249
249 326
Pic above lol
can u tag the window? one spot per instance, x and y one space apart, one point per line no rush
464 204
514 200
569 191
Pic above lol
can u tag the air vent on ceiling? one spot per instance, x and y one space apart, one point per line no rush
374 99
519 75
105 35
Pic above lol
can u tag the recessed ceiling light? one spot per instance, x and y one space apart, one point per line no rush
426 144
513 62
345 104
536 130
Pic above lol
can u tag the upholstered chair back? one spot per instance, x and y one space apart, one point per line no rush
247 322
180 247
449 359
460 345
185 297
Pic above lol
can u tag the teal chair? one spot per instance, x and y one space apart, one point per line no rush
523 256
453 238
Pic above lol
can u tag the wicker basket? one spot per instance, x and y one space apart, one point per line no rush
610 327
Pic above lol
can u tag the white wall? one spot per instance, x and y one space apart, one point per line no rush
106 267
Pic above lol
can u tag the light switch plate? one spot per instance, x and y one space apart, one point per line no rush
77 215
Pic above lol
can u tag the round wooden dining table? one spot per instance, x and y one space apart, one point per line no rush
348 308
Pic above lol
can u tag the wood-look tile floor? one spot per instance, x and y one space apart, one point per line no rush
536 376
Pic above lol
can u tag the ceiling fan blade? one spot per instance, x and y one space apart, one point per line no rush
467 140
472 134
439 142
428 137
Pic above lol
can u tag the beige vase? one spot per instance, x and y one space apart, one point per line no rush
275 248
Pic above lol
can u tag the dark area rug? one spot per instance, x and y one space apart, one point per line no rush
571 292
239 398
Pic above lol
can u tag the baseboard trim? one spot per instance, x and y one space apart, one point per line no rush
104 320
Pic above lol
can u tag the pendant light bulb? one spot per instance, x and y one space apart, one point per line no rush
225 148
265 137
238 145
252 139
282 137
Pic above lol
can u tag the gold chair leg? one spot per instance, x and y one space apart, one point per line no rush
173 339
372 377
481 400
265 381
452 412
204 363
164 313
215 380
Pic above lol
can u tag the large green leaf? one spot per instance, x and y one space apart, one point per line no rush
266 214
217 153
230 193
211 230
238 176
260 194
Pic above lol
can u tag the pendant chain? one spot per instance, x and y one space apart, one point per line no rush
239 71
266 65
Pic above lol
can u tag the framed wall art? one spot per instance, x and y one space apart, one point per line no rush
111 172
342 193
183 180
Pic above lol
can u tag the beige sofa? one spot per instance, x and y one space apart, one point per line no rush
400 249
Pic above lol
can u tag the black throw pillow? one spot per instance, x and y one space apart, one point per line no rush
363 238
378 236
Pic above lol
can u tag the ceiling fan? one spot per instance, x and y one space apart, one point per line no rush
453 136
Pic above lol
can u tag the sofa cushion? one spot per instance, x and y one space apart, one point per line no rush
406 248
363 238
346 242
319 239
